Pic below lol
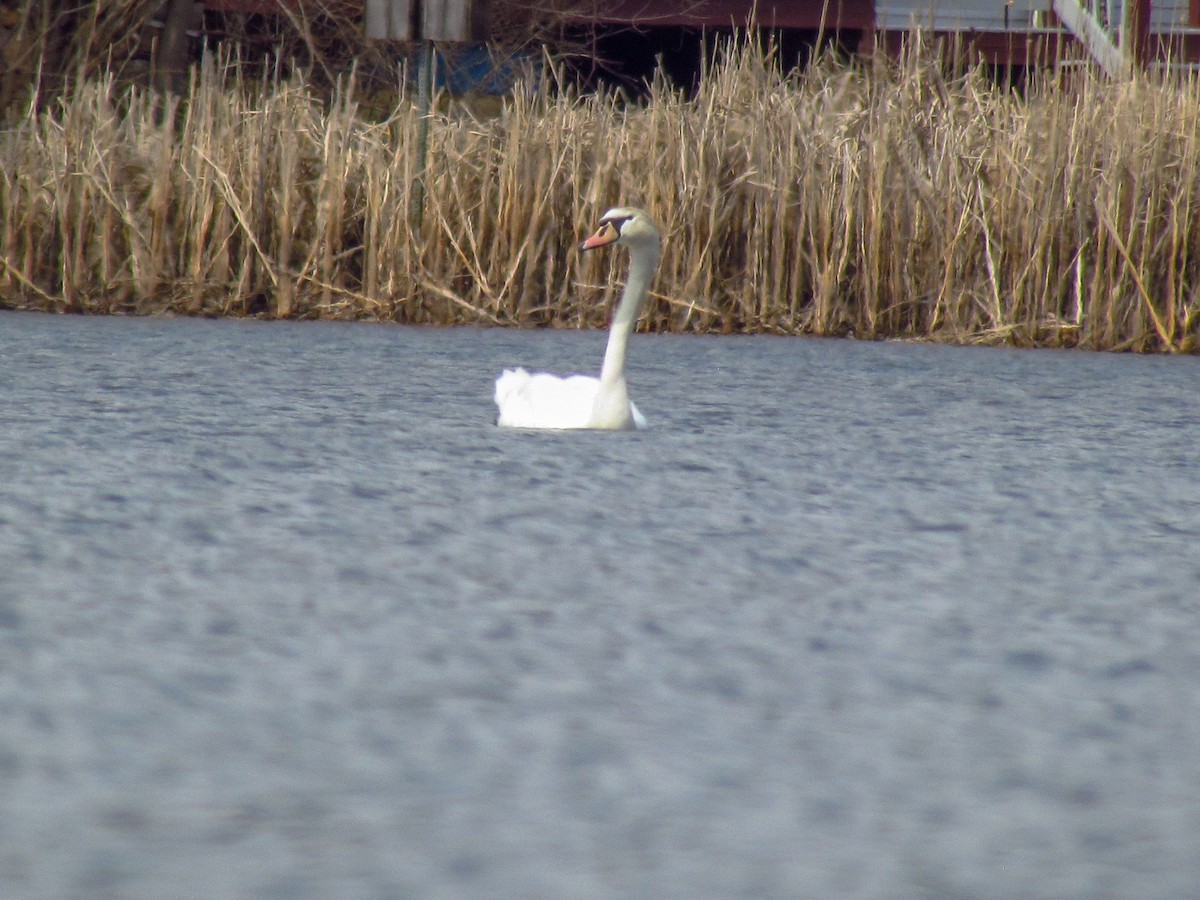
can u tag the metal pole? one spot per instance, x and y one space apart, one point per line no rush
425 66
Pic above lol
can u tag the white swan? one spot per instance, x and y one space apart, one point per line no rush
580 401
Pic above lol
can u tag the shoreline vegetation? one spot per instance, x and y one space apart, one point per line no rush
884 199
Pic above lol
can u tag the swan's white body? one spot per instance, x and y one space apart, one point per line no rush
542 400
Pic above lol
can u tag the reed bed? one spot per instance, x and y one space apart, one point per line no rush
886 199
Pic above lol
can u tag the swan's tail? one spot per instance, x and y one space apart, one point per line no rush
509 383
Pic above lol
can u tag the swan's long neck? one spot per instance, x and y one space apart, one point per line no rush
643 260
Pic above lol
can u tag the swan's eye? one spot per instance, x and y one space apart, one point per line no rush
617 224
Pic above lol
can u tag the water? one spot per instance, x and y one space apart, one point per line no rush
283 615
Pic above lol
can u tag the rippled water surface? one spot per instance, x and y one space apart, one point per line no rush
282 614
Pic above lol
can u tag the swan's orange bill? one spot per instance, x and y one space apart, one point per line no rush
606 234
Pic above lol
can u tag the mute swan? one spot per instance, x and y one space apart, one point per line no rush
580 401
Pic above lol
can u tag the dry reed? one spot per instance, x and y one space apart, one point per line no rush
889 199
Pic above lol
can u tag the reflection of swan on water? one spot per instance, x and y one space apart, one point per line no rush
580 401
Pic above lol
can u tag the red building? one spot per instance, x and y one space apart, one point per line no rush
1115 33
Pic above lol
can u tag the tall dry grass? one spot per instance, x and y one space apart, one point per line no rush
889 199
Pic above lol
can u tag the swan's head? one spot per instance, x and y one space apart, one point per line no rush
624 225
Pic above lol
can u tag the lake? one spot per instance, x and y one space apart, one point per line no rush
284 615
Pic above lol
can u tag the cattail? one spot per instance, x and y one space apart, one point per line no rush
903 197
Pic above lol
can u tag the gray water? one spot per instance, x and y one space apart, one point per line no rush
282 614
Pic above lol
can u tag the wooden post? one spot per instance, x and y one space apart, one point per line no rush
1135 32
171 56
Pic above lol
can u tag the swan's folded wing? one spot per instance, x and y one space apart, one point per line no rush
542 400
